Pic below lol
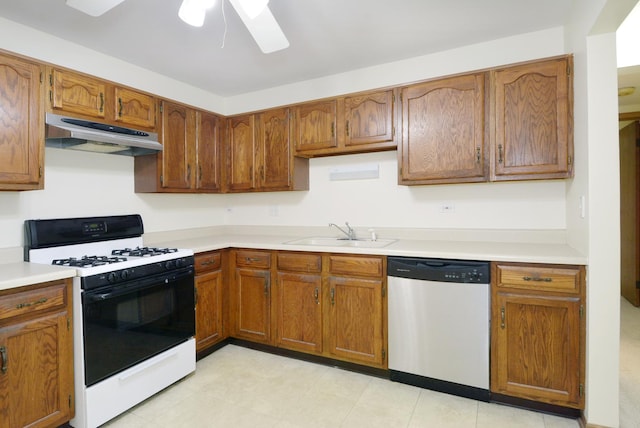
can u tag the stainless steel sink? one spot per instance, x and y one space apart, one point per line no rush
341 242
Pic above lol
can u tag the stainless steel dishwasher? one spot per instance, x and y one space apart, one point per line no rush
439 324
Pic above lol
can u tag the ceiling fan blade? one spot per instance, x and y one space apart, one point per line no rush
263 28
93 7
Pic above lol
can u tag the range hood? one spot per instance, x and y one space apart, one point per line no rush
70 133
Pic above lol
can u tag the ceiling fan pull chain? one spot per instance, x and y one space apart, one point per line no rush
224 18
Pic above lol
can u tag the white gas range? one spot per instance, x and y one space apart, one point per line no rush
133 310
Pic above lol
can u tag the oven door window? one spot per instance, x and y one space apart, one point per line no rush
129 323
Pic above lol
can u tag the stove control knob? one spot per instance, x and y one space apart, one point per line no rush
112 277
170 264
125 274
179 263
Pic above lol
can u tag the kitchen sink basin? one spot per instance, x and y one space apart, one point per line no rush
341 242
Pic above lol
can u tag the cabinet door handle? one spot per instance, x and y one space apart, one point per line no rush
502 317
316 294
101 102
5 360
333 296
537 279
266 288
347 128
500 153
478 155
26 305
333 129
120 107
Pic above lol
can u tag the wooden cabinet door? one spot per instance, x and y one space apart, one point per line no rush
208 151
356 319
369 118
299 312
208 309
274 152
241 152
443 131
315 126
177 136
532 110
134 108
22 129
252 305
75 93
536 348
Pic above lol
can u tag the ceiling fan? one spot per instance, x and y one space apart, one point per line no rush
255 14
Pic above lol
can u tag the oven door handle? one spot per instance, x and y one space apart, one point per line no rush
116 291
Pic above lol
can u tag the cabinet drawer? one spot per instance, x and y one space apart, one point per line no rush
539 277
205 262
256 259
354 265
33 301
296 262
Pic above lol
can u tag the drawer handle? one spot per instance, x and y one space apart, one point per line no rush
502 317
537 279
316 294
333 296
5 360
120 107
206 263
26 305
252 259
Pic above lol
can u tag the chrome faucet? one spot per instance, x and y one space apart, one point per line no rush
351 234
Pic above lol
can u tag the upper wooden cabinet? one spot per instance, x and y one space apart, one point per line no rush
531 121
93 98
259 154
191 155
443 131
22 130
351 124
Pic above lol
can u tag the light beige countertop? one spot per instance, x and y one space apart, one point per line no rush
18 274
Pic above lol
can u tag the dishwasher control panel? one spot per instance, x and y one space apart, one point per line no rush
441 270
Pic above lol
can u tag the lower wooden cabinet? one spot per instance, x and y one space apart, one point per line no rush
209 283
36 356
538 333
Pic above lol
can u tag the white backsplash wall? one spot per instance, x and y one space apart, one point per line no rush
382 202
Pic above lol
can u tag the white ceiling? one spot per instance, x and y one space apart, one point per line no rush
326 36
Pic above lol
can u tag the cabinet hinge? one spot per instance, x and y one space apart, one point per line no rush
51 96
384 354
161 107
568 69
393 97
41 77
68 324
581 390
40 171
384 291
51 79
161 180
570 160
581 311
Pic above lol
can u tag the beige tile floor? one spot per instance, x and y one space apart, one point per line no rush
237 387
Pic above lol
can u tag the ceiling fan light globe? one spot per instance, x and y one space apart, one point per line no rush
253 8
192 12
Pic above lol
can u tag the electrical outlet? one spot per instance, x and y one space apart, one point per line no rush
447 208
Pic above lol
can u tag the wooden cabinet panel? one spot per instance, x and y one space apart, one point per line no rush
22 130
206 262
532 134
177 135
355 320
252 305
299 312
253 258
208 309
76 93
315 125
369 118
274 150
538 333
300 262
134 108
242 148
36 356
443 131
208 152
356 265
33 301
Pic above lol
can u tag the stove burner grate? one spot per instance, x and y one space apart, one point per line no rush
88 261
143 251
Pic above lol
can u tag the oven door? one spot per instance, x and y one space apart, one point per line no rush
130 322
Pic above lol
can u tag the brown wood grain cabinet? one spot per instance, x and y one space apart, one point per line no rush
351 124
191 156
241 148
209 290
531 120
36 356
538 332
22 130
443 131
251 296
299 302
93 98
